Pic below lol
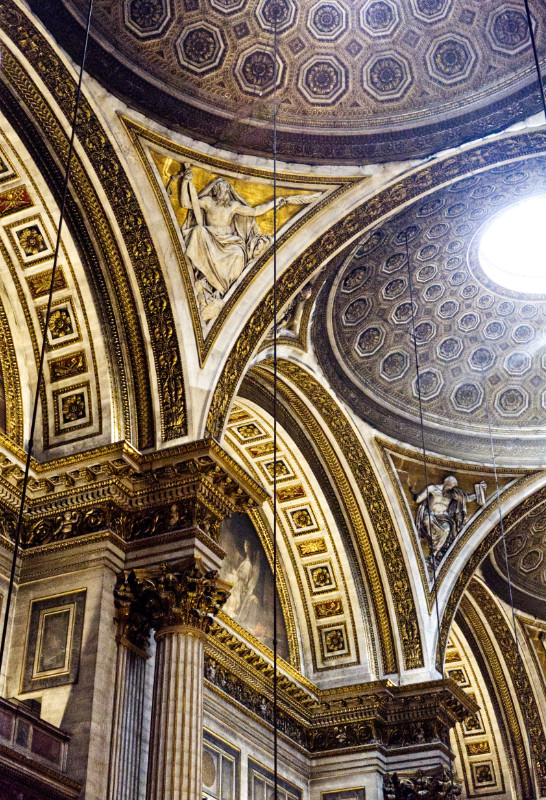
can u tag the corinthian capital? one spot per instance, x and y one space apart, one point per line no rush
170 595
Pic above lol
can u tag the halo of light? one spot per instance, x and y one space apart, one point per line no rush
512 250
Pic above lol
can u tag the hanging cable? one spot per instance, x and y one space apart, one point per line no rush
275 678
19 525
507 568
432 555
535 54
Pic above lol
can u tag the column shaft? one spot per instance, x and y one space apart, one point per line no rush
127 726
174 771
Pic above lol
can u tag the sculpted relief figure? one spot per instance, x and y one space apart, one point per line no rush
221 236
442 512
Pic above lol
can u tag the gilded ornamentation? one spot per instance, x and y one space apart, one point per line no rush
60 324
31 240
14 200
373 497
73 407
67 366
328 608
519 677
171 595
39 284
438 786
137 236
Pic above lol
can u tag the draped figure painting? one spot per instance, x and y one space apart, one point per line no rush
246 567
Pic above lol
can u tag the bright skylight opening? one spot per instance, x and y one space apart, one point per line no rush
513 248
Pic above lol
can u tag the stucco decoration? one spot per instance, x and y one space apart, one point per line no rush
376 80
479 346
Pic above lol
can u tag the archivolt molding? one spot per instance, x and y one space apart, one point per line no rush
511 680
133 229
308 542
481 751
353 452
475 553
338 240
74 403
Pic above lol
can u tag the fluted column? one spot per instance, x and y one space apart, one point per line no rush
174 771
178 601
126 747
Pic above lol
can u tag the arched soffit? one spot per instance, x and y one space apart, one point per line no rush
131 243
340 448
482 743
410 473
337 242
523 502
76 401
506 665
333 629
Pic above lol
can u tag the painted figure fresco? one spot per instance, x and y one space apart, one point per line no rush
246 567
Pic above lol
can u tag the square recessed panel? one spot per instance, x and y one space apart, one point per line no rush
458 674
333 641
321 577
248 431
54 640
473 726
72 408
280 467
63 326
483 774
301 519
30 241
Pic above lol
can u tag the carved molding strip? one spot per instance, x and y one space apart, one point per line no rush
127 211
518 675
387 538
502 688
373 579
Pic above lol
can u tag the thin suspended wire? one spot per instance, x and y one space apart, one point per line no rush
275 677
535 53
425 468
19 526
508 576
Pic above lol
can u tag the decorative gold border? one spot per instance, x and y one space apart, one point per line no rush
58 395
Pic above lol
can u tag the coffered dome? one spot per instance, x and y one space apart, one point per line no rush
474 337
370 80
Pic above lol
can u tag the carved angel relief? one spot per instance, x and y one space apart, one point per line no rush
224 230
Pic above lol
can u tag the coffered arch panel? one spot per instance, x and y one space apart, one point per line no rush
333 628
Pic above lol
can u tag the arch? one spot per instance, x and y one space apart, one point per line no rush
336 243
132 228
326 413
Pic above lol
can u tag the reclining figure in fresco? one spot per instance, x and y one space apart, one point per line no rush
442 510
222 236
